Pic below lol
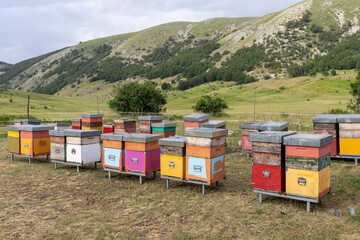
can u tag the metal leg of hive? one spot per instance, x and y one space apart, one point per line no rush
167 183
96 165
77 169
203 189
12 157
356 161
260 198
247 155
55 165
308 209
140 179
154 175
47 157
217 183
109 174
29 160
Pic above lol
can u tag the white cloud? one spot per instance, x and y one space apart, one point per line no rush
31 28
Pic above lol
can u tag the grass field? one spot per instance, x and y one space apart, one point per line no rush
38 202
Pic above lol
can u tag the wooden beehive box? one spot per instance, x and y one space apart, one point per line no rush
113 151
328 124
83 146
58 145
268 160
307 164
146 121
35 140
142 152
205 163
173 156
27 122
76 123
108 128
194 120
13 139
246 129
349 135
91 121
125 125
164 129
214 124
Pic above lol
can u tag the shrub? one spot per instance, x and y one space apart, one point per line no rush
210 104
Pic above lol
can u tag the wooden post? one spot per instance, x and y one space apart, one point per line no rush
28 104
254 104
97 101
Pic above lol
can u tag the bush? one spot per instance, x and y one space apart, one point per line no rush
165 86
210 104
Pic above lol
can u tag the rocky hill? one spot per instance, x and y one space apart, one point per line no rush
309 37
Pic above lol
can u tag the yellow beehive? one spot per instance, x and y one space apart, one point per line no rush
173 166
350 147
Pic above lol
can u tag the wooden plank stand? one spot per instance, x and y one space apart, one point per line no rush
139 174
23 155
203 184
78 165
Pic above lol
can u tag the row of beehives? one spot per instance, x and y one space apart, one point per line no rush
88 121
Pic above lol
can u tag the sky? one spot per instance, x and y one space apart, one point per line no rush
29 28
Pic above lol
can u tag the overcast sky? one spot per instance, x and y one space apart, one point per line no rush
29 28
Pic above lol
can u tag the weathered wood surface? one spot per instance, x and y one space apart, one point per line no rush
174 151
142 147
56 139
313 164
272 159
83 141
248 131
325 126
205 142
128 130
113 144
325 131
205 152
58 151
92 124
267 147
124 125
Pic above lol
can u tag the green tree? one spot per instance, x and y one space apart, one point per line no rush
354 104
210 104
139 98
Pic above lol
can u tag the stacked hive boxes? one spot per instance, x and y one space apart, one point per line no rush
109 128
274 126
214 124
173 156
35 140
113 151
349 133
27 122
82 146
268 166
92 121
308 164
76 123
59 126
142 152
328 124
205 154
164 129
146 121
125 125
58 145
247 129
194 120
13 139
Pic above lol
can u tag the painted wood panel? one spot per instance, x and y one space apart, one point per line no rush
172 166
83 140
142 147
205 142
248 131
350 147
113 158
35 147
14 134
268 177
273 159
165 134
33 135
145 162
267 147
57 139
92 124
194 124
128 130
314 164
91 120
113 144
311 152
174 151
246 144
83 154
204 152
205 169
325 126
91 128
14 145
165 129
58 151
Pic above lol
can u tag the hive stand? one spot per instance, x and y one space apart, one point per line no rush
78 165
343 158
203 184
139 174
308 200
248 152
28 156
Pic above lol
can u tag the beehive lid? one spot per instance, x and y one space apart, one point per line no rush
325 118
349 118
163 125
14 128
27 120
150 118
119 136
82 133
76 119
174 141
57 133
308 140
141 137
252 125
124 120
58 124
274 126
35 128
92 115
196 117
270 136
213 124
206 132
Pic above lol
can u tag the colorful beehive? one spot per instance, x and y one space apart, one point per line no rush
142 152
146 121
274 126
13 139
214 124
113 150
247 129
307 164
328 124
173 156
59 126
27 122
194 120
108 128
35 140
125 125
268 164
205 154
91 121
58 145
83 146
164 129
349 135
76 123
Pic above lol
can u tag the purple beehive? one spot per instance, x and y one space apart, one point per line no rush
145 162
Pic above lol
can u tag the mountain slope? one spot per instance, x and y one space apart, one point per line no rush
230 49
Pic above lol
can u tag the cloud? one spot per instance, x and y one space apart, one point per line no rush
32 28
